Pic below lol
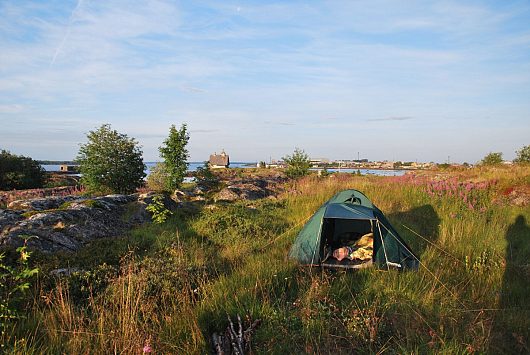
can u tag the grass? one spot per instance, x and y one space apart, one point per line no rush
173 285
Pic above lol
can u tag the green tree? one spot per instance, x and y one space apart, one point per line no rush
492 159
175 156
298 163
111 162
523 155
19 172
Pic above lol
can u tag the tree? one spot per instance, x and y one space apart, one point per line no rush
298 163
111 162
175 156
19 172
492 159
523 155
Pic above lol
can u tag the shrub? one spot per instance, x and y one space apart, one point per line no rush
14 281
156 180
111 162
492 159
523 155
19 172
206 177
158 210
298 164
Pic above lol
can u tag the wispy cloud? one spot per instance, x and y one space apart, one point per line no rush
277 123
245 72
11 108
67 33
395 118
192 89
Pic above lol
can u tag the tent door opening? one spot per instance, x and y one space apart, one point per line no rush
356 234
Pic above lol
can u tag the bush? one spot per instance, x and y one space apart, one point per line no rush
205 176
298 164
111 162
158 210
492 159
523 155
19 172
14 281
156 180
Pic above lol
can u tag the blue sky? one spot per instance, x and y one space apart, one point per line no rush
394 80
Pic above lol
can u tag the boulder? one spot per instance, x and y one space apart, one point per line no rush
137 212
243 191
69 228
227 195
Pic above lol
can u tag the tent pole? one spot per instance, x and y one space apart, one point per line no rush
317 243
383 242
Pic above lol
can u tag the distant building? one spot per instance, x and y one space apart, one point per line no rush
218 161
67 168
317 161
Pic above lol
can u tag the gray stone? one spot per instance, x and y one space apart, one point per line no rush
8 218
68 228
40 204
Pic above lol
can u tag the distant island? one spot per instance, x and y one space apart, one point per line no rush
56 162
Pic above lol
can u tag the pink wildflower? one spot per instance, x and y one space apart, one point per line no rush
147 349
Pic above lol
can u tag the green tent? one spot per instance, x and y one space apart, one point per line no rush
345 218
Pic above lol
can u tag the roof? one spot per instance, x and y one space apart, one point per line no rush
220 159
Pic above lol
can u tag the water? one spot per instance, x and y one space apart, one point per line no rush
194 165
150 164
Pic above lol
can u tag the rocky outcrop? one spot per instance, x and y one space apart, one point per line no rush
251 189
244 191
67 223
40 204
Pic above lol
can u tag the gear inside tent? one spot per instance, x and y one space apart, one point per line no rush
348 231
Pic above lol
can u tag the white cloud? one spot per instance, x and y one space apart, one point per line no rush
12 108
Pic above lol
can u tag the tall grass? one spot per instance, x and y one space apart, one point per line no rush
172 286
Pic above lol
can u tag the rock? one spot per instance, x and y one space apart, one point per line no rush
227 194
64 272
137 212
243 191
68 228
8 217
40 204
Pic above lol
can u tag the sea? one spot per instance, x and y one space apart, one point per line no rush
194 165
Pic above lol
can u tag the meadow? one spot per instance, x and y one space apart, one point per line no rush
171 286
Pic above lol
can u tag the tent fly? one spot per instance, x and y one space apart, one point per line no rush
349 219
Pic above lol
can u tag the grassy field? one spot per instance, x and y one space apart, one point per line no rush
171 286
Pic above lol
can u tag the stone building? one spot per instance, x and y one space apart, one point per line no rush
218 161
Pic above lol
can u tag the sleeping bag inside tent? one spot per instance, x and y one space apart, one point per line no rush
348 231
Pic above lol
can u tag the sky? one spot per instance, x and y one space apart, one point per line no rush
385 80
